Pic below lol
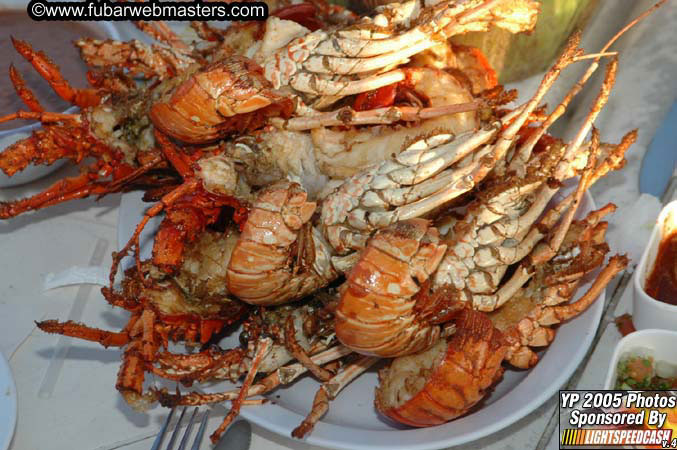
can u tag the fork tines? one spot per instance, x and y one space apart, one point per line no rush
184 440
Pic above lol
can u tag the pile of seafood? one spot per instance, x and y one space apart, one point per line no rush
339 190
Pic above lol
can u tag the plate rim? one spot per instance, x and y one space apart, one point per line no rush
321 436
6 369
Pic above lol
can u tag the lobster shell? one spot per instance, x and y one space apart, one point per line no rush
377 314
457 379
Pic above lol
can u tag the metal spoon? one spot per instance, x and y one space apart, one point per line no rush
237 437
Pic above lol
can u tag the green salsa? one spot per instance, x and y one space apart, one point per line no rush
639 373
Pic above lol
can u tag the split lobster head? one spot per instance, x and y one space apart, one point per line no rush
230 95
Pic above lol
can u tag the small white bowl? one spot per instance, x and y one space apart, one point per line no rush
8 137
648 312
659 344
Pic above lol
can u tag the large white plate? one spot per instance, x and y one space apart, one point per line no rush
7 404
353 423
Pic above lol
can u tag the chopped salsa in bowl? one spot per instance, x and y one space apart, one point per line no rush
642 373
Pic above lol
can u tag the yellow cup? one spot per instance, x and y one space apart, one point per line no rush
515 57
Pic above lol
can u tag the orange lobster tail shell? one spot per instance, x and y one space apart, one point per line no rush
470 365
376 314
228 96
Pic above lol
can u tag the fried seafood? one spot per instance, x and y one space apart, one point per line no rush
112 127
206 95
206 107
448 379
330 154
159 314
475 351
396 33
426 174
294 331
324 63
210 183
445 381
303 150
409 281
384 318
227 96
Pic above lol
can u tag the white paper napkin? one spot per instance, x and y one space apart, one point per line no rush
77 275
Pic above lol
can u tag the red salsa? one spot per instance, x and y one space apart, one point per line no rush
661 283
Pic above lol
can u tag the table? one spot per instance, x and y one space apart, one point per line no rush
81 407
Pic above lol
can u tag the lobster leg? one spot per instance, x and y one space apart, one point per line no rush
68 140
178 159
80 331
534 330
160 31
51 73
384 114
282 376
153 211
141 350
201 366
381 116
131 376
141 60
300 354
550 315
19 155
329 390
182 224
195 399
80 186
544 252
113 80
119 183
121 301
263 347
287 374
64 190
42 116
22 91
525 271
522 231
523 154
526 319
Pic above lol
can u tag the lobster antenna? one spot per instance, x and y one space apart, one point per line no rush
523 154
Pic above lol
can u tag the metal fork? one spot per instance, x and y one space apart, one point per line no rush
186 434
